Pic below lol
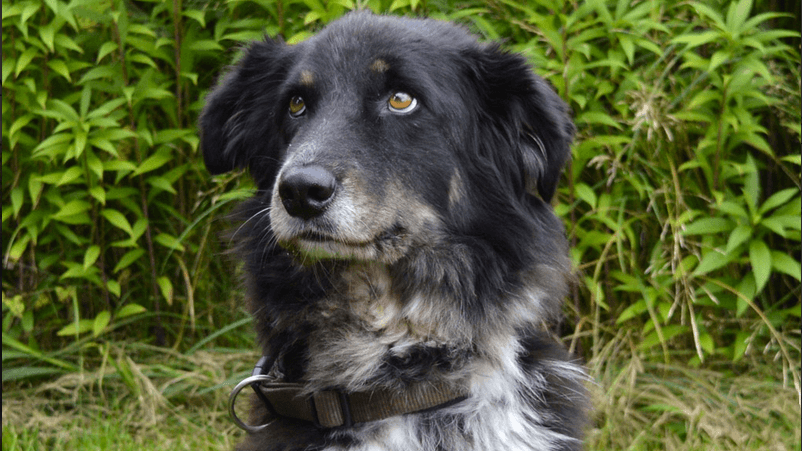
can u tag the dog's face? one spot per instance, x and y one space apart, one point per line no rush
380 134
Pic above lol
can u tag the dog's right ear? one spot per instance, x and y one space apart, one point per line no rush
233 124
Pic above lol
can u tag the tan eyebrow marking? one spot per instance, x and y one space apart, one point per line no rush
307 78
379 66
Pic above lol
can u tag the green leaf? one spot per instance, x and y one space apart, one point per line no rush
776 225
712 261
784 263
57 143
717 59
94 164
119 165
8 66
129 310
86 97
154 162
72 208
597 117
70 176
748 289
669 332
106 108
777 199
24 59
708 226
161 183
101 321
632 311
166 288
139 228
62 40
170 134
98 193
60 68
751 183
206 45
117 219
740 344
695 40
737 15
144 59
198 15
733 209
80 142
82 326
169 241
19 246
739 235
114 287
19 123
75 270
91 256
127 259
105 72
760 258
586 193
17 199
47 34
105 49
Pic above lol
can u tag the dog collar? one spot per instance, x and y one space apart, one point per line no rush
336 408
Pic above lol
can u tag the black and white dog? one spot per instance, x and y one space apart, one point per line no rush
403 261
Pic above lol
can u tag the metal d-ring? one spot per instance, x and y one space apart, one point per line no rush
234 393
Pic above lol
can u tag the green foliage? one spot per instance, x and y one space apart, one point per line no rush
684 194
682 200
100 174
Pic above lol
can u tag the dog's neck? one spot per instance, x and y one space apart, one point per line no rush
369 331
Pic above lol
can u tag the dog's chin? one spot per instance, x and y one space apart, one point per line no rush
310 251
311 248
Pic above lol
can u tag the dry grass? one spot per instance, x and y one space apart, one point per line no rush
141 398
652 406
151 399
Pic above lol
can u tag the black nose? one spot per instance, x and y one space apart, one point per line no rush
306 191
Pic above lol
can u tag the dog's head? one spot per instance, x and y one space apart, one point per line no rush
379 133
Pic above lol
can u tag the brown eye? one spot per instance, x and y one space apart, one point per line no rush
401 102
297 106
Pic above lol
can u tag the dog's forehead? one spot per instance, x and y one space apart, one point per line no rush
365 44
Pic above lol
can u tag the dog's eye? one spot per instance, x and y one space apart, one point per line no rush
401 102
297 106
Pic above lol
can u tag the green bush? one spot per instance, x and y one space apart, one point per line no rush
682 201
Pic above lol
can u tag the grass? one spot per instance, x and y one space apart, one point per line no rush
147 398
647 406
143 398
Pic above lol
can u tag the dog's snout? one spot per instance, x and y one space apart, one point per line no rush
306 191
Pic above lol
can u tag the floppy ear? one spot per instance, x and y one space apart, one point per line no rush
546 141
531 115
237 118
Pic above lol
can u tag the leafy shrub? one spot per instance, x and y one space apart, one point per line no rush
682 200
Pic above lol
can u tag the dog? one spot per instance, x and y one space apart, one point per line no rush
404 267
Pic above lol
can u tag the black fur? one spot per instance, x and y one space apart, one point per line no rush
432 254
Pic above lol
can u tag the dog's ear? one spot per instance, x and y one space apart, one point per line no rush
232 125
530 114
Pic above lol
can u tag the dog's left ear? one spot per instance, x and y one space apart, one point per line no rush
530 114
236 121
